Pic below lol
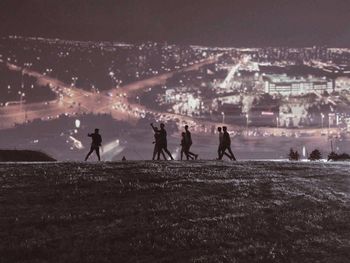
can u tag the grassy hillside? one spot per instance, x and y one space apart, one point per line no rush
175 212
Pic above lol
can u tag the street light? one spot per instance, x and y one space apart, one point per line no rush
247 117
21 95
22 81
223 117
329 124
74 81
322 117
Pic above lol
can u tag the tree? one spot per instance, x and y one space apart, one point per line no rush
315 155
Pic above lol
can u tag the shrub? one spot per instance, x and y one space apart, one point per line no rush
315 155
338 157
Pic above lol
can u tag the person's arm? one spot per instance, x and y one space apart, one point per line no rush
189 138
153 127
89 134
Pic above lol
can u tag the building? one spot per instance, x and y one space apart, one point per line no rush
347 121
286 85
342 83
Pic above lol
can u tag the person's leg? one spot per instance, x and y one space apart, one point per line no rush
229 156
223 152
164 157
167 151
185 149
159 149
89 153
231 153
223 149
219 152
192 154
189 157
154 152
189 154
182 153
97 149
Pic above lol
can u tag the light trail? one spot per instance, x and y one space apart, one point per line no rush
81 101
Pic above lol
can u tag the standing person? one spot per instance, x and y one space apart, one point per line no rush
157 143
184 148
221 138
163 143
95 144
188 140
226 144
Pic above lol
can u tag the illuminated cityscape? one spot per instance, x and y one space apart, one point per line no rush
256 92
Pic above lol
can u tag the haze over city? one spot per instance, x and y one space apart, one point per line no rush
274 72
220 23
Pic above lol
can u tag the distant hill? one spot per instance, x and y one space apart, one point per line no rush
24 156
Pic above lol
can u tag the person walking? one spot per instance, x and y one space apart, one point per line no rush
184 148
95 144
188 140
157 143
163 143
226 145
220 147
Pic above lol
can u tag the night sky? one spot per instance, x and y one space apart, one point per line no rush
206 22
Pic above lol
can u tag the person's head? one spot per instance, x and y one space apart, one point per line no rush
186 127
219 129
96 130
224 128
162 125
183 134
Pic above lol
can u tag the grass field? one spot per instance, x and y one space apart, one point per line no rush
175 212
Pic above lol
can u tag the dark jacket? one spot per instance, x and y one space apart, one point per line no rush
226 140
188 138
157 136
162 138
96 139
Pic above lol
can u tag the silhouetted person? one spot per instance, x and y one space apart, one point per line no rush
188 143
226 144
163 143
95 144
157 143
184 148
220 148
123 159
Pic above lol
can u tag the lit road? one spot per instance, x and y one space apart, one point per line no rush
162 78
74 101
